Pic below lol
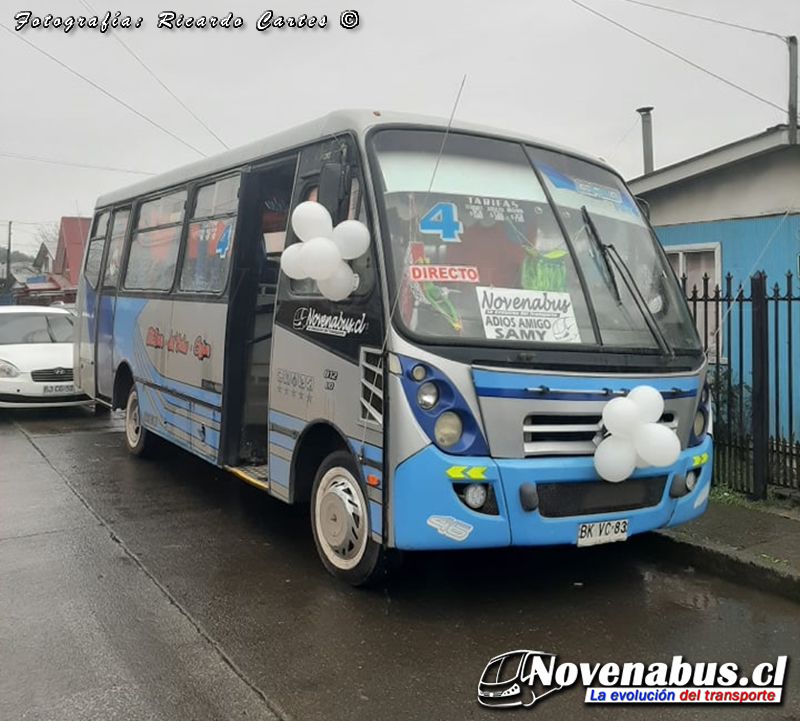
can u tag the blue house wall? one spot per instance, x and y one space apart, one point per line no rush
747 245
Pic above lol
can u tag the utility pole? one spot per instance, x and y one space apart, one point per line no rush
792 41
8 261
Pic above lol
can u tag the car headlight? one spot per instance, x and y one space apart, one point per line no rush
448 429
427 396
8 370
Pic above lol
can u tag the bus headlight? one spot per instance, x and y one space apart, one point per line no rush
427 396
418 373
448 429
699 424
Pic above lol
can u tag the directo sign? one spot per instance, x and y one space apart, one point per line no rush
445 273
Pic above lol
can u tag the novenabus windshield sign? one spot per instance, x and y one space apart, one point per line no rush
520 678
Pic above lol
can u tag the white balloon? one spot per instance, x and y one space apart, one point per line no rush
650 402
657 445
641 462
311 220
292 262
621 417
615 459
339 285
352 237
320 257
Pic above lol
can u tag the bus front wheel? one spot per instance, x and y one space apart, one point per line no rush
340 523
137 438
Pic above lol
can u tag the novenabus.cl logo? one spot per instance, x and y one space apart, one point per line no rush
520 678
514 679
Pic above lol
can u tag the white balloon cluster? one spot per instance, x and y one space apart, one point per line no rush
637 439
325 250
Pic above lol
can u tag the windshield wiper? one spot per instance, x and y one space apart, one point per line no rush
594 234
611 256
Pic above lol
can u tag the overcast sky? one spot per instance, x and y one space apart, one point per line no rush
544 67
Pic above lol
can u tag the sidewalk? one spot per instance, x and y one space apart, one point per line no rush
752 543
86 631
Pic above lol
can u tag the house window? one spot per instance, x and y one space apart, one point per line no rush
694 262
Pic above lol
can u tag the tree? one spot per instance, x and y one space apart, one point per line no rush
16 257
47 233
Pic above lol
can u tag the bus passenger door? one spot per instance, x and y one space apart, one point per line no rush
106 305
87 305
263 214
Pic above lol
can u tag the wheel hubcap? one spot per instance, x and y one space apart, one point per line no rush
132 427
341 519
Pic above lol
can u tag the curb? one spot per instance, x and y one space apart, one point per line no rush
727 562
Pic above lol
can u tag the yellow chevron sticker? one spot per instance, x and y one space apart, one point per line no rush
700 460
475 473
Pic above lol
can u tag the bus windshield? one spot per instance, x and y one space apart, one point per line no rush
495 242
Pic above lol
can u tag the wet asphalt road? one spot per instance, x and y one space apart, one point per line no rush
207 598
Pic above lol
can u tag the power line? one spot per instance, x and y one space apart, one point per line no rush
622 139
679 56
141 62
707 19
30 222
101 89
17 156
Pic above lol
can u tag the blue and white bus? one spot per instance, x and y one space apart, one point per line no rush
456 397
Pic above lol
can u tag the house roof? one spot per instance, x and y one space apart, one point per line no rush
43 285
71 240
753 146
44 251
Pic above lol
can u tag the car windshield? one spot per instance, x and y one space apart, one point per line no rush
489 241
21 328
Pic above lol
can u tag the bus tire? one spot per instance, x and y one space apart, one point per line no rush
340 523
138 440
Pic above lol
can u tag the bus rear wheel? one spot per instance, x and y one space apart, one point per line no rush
340 523
138 439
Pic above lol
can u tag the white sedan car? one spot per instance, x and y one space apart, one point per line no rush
36 358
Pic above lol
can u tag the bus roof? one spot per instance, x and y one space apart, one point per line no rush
337 122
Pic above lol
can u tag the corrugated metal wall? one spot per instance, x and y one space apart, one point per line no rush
770 244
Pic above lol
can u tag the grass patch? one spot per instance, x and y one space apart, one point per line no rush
729 497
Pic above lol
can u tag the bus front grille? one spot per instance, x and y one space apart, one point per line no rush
568 435
560 500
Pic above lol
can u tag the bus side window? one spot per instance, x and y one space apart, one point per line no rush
154 247
209 245
363 267
94 254
118 228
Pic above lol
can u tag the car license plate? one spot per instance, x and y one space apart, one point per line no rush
592 534
60 389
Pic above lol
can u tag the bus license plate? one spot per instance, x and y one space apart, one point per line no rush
592 534
61 389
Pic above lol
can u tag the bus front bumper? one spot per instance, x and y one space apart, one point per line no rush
533 502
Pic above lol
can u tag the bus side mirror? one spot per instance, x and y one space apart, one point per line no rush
332 188
644 206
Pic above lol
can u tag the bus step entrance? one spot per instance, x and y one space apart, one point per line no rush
255 475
